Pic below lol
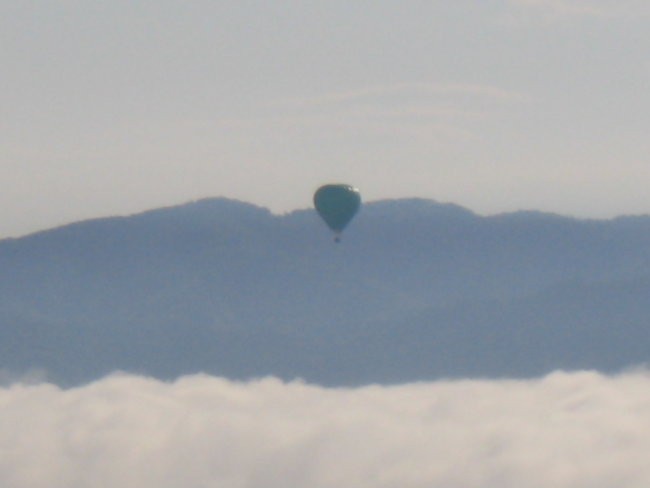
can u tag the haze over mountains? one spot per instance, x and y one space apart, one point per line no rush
416 290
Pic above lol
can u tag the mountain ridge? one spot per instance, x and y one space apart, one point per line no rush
410 203
230 288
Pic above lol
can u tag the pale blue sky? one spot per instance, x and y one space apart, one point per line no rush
116 107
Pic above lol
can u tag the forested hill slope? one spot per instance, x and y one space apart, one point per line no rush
415 290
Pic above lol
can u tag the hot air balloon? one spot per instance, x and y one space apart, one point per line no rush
337 204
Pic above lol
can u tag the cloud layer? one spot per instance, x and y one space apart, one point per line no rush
564 430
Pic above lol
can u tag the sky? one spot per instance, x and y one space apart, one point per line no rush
497 105
565 430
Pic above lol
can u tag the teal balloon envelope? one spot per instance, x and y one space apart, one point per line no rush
337 204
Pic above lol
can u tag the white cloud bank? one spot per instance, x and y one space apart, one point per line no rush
564 430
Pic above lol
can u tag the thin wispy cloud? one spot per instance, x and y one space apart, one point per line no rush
596 8
411 108
564 430
419 90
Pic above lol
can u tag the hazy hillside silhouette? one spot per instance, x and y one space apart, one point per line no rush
416 290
